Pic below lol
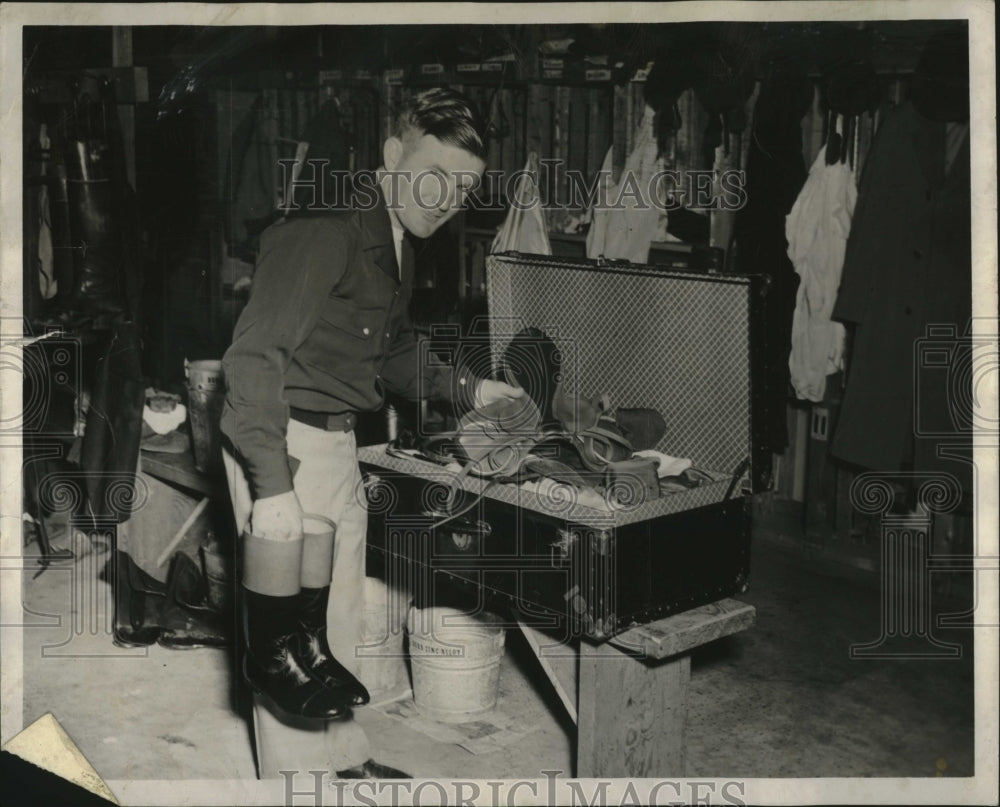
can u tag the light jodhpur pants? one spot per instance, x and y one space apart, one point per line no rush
327 482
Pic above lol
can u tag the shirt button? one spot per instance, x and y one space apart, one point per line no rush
365 331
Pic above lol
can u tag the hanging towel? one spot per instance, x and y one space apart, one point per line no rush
524 229
626 216
817 229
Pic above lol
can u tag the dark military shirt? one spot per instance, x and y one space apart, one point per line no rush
326 330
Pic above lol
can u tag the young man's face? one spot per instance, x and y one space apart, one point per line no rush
428 181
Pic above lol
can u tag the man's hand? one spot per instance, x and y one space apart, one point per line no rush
489 391
277 517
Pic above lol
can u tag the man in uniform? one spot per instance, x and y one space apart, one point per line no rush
323 337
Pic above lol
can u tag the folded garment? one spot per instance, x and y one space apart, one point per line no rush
669 466
558 492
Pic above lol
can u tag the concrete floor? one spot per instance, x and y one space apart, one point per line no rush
783 699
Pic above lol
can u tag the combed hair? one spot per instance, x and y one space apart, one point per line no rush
446 114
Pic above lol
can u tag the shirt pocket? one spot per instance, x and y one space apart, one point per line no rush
348 318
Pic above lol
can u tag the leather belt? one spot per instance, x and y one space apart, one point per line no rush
340 422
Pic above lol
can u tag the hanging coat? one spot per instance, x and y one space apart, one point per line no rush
817 230
908 267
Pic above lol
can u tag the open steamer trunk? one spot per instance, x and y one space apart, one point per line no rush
683 343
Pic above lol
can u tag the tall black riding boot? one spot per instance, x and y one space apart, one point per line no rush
317 570
274 663
317 653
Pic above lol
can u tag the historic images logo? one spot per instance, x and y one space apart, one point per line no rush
559 187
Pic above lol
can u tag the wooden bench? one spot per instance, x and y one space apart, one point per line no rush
628 696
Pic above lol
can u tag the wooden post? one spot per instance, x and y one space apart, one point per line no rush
560 666
121 56
597 101
562 141
630 714
620 133
632 696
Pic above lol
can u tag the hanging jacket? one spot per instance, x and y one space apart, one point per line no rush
908 266
817 231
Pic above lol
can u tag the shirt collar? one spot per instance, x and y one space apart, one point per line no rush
376 226
377 236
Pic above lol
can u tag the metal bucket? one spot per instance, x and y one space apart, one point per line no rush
455 658
381 657
206 389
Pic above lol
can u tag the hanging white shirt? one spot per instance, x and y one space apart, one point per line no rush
817 229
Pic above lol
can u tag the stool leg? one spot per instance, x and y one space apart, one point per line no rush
630 714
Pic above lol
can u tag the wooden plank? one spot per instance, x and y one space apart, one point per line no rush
559 661
507 148
164 509
562 141
577 134
540 124
596 101
620 134
525 125
179 469
631 714
685 631
271 136
534 132
373 146
495 154
121 56
182 531
638 90
801 436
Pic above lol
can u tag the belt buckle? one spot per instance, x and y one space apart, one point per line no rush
341 423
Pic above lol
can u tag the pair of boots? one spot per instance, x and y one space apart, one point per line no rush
285 590
176 614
